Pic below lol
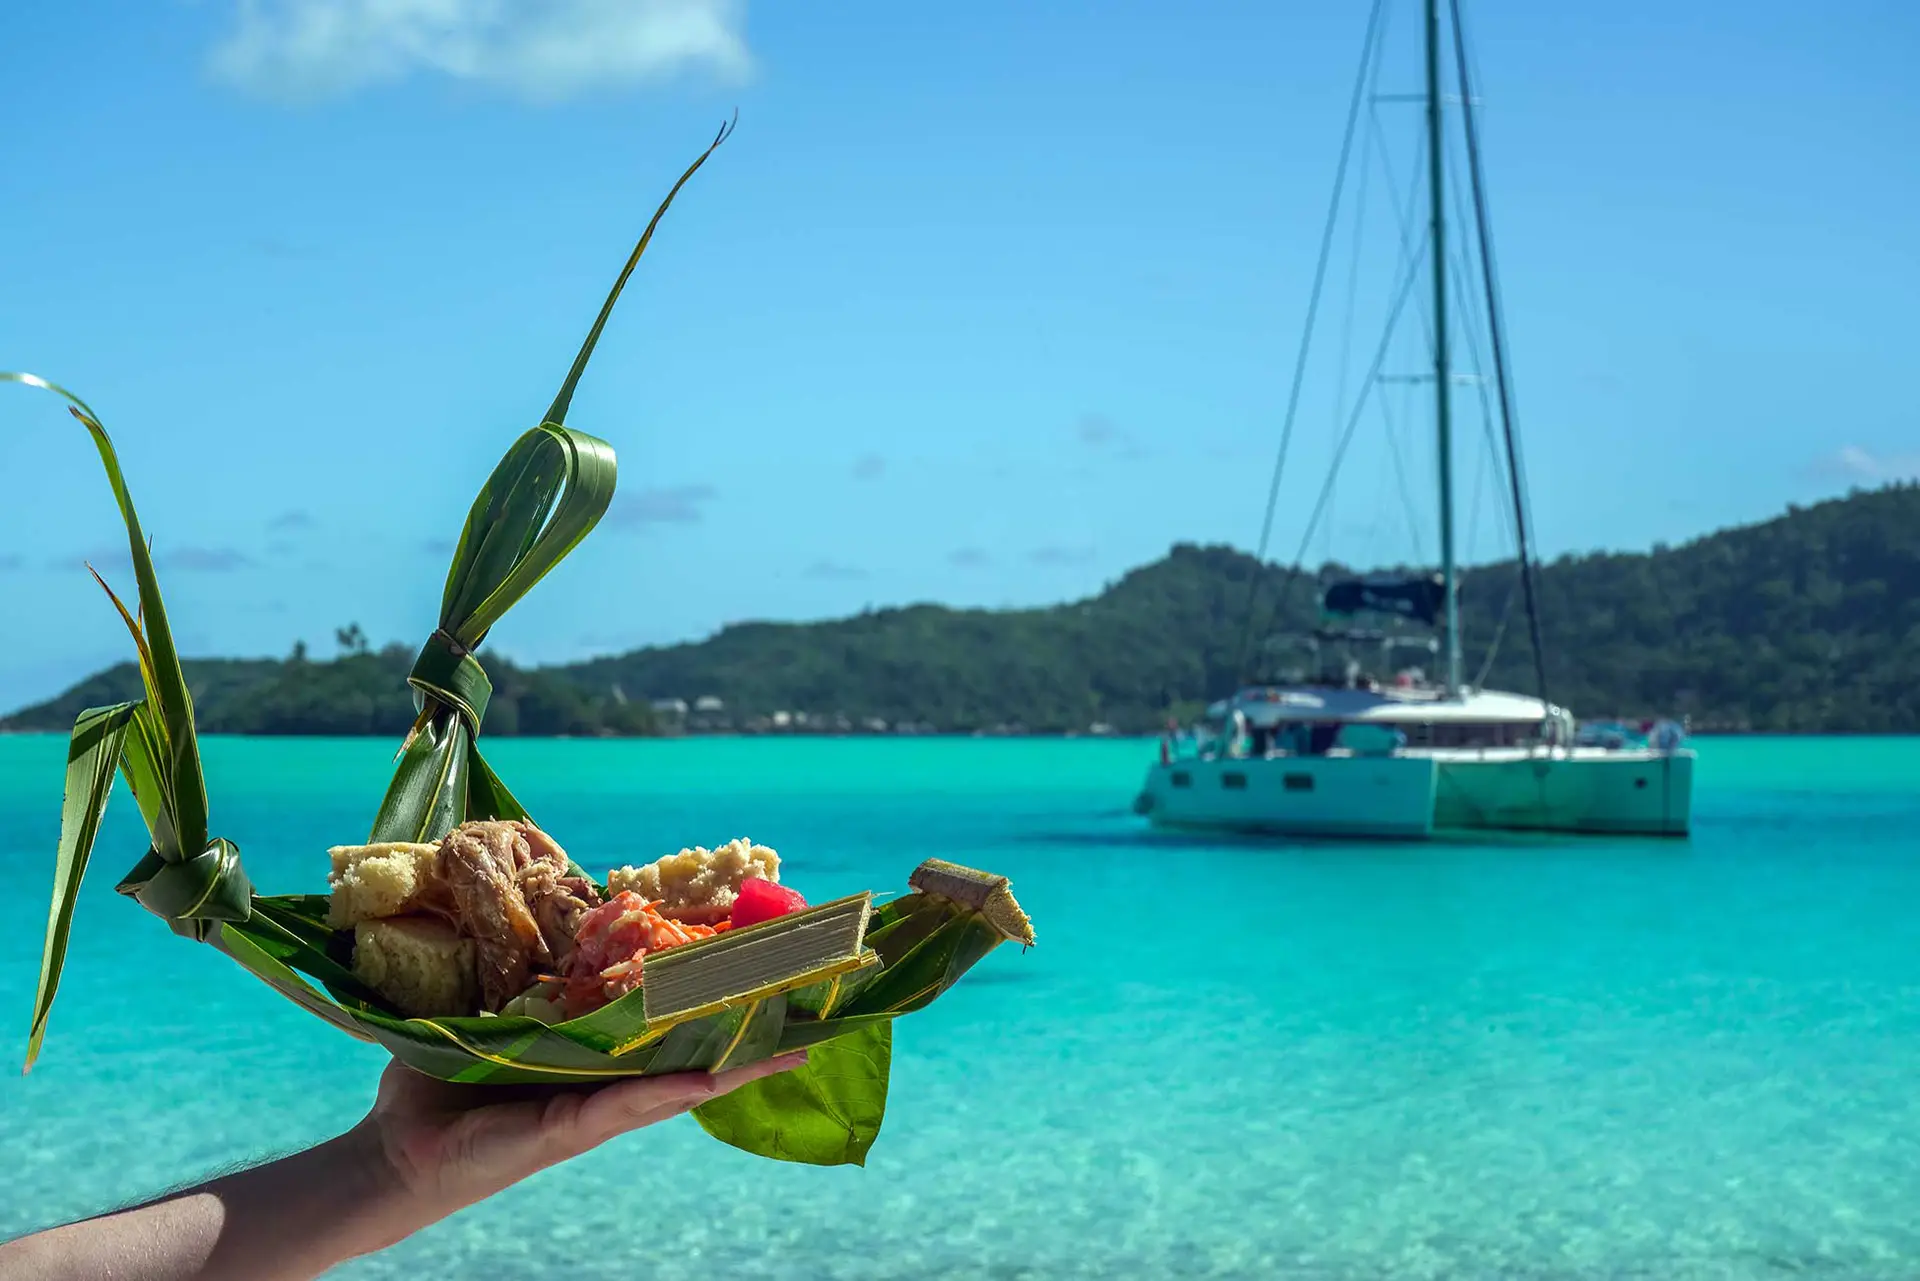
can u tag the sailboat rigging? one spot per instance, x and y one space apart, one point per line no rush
1338 751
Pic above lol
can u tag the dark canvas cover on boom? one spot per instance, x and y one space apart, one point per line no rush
1420 599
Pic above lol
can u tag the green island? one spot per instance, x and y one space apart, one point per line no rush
1805 623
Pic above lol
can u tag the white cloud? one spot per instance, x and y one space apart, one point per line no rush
1859 464
669 505
1099 431
1054 554
834 569
536 48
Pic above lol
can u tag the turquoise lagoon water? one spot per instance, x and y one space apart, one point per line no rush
1524 1059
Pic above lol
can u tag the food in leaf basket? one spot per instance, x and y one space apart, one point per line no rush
494 917
461 937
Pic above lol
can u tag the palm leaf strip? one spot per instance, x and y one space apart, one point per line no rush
543 498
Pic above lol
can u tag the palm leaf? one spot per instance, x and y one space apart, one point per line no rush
831 978
825 1112
827 1115
545 496
93 752
141 757
191 881
160 672
562 402
829 1111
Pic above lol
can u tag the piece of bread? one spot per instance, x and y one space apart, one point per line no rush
698 884
372 881
419 963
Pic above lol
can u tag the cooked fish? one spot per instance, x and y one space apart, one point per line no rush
515 895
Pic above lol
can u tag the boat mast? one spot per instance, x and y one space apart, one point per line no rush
1497 328
1442 385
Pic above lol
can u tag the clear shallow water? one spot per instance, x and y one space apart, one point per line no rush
1574 1059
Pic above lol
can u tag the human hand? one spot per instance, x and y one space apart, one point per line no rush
446 1146
426 1149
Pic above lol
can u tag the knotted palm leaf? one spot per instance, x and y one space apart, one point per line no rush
830 978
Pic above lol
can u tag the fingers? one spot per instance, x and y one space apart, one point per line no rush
734 1078
646 1100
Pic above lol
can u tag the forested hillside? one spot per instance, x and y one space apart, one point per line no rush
1807 622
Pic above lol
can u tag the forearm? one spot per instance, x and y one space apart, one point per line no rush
287 1220
427 1149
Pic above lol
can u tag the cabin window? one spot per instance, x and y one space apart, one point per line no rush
1472 734
1182 779
1233 781
1299 782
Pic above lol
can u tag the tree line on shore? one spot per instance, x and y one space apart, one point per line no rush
1809 622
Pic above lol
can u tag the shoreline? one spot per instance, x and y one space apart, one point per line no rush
1143 736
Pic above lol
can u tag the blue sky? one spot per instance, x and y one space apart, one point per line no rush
984 303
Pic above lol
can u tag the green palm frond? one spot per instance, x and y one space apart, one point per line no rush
830 978
193 882
545 496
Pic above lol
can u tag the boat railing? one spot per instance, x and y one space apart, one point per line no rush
1664 738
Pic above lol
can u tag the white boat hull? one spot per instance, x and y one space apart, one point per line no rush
1627 792
1390 796
1413 794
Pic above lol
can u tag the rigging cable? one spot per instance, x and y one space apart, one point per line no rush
1471 330
1369 52
1407 226
1506 612
1400 477
1501 380
1353 270
1410 250
1353 420
1346 439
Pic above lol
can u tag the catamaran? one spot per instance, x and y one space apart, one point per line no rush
1359 740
